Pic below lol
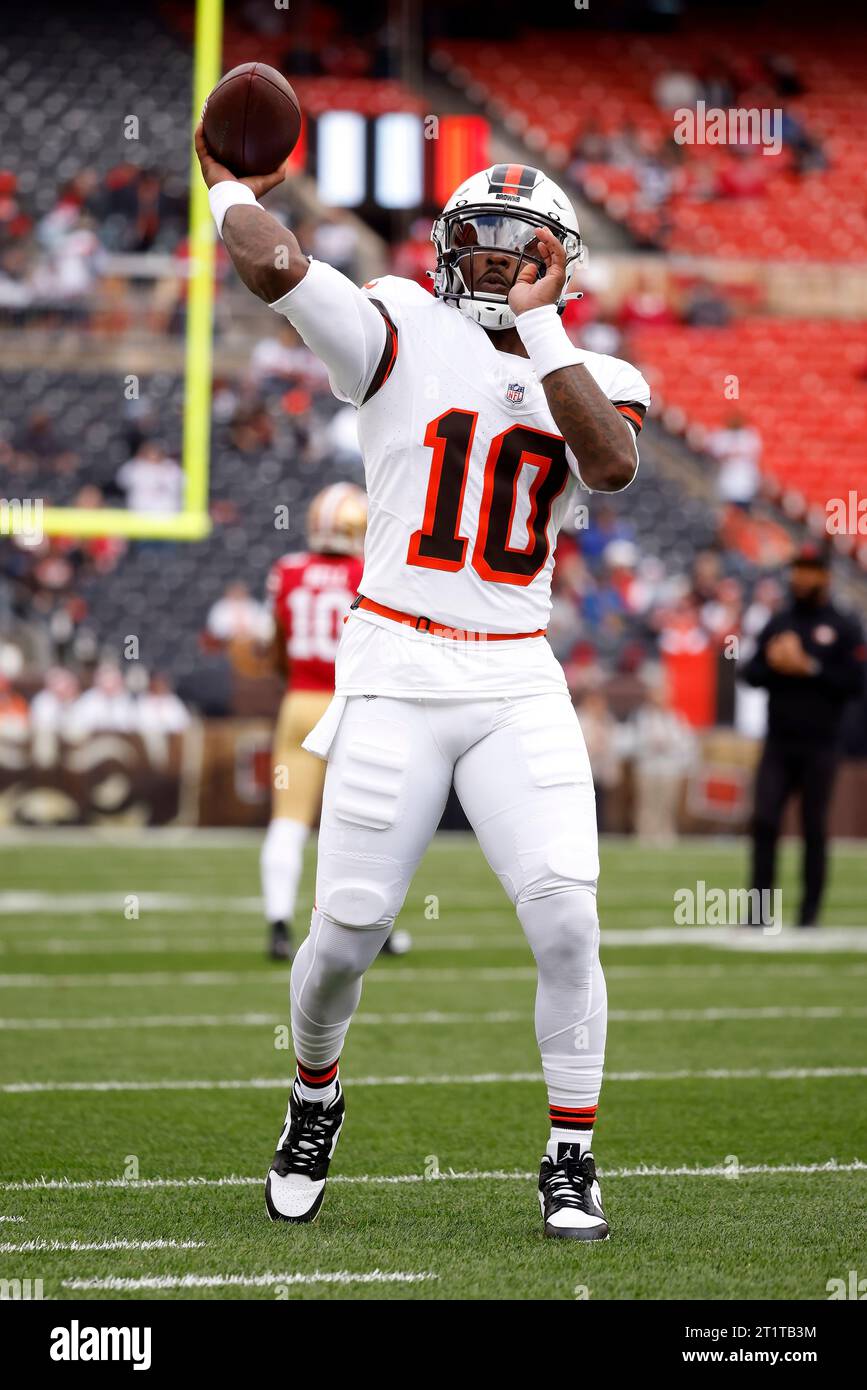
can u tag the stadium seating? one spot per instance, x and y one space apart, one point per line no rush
549 89
59 114
811 455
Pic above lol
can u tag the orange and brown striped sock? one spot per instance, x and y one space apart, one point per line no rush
317 1083
571 1127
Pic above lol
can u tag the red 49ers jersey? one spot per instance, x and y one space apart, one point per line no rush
310 596
468 477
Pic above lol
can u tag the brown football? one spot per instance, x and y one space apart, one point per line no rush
252 119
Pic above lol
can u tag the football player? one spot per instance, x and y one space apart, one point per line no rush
310 592
480 422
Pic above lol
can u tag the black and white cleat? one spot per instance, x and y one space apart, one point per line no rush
570 1198
295 1185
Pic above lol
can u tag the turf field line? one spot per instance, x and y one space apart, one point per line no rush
11 1218
642 1170
399 974
229 837
820 941
269 1083
56 1246
120 1284
249 1020
23 901
26 902
205 944
425 1018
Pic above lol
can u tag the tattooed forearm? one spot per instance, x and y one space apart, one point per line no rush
264 252
597 434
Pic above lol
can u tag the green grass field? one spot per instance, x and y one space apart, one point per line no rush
143 1080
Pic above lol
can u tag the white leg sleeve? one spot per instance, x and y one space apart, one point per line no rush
325 986
528 792
281 862
571 998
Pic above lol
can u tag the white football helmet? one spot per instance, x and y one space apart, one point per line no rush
497 210
337 520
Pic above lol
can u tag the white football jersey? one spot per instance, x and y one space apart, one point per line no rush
468 477
468 480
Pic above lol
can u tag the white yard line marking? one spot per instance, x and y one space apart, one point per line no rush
11 1218
24 901
155 979
424 1018
250 1020
738 939
55 1246
194 838
118 1284
269 1083
399 974
205 944
717 1170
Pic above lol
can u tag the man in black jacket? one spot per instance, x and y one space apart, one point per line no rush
810 659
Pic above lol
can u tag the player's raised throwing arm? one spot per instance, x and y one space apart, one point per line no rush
337 322
265 253
595 431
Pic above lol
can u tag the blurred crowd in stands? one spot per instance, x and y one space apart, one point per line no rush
52 267
661 165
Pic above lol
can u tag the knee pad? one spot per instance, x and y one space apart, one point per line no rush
358 901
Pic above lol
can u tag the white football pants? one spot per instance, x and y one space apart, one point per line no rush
523 777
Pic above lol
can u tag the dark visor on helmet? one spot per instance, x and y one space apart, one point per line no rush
493 232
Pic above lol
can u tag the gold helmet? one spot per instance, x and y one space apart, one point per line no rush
337 520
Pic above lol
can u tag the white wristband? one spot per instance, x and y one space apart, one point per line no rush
546 340
225 195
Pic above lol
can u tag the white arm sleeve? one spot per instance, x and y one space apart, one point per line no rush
340 325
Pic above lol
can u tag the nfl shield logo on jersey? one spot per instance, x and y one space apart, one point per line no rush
515 393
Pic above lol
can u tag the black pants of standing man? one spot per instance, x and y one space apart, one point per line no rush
786 770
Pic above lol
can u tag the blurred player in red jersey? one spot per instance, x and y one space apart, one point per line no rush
310 593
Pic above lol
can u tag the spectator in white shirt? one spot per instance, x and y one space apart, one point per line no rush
738 449
160 710
107 704
55 708
152 481
238 617
663 748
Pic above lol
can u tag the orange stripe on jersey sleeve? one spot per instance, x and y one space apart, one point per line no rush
635 413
